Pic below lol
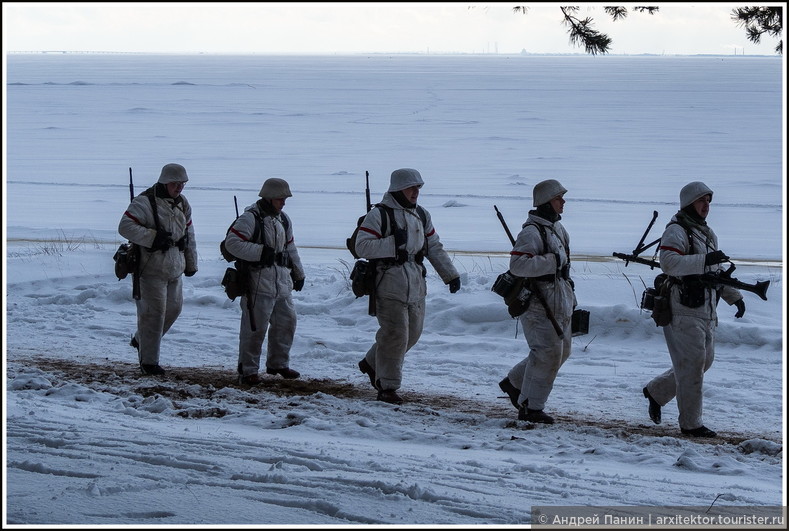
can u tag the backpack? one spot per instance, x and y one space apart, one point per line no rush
363 273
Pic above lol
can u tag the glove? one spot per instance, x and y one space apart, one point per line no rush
267 256
740 304
162 241
400 237
454 285
190 272
402 256
715 257
298 284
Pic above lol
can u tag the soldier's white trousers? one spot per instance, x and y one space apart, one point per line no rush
160 304
400 326
277 317
535 374
691 345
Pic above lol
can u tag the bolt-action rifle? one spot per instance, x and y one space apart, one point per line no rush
245 280
243 272
372 308
135 250
533 286
710 279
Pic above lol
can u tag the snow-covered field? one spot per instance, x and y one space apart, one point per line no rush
88 441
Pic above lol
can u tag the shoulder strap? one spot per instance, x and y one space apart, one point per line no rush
390 212
389 215
687 231
542 234
285 221
423 215
151 193
256 232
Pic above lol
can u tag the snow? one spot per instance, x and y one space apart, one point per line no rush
91 442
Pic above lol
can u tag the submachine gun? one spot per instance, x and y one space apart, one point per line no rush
710 279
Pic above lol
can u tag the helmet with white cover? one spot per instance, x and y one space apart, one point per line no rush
546 190
693 191
404 178
275 188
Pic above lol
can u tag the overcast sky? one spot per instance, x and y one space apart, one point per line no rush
367 27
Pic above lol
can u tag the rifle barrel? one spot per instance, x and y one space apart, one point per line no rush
131 185
638 260
367 190
504 224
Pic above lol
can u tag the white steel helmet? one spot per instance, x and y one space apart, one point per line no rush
544 191
693 191
275 188
404 178
173 173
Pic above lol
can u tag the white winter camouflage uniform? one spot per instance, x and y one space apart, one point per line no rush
690 337
270 290
535 374
161 295
400 289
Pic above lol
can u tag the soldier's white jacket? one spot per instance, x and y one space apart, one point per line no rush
529 258
679 258
274 281
406 282
139 226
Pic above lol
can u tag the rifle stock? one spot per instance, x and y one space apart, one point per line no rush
725 279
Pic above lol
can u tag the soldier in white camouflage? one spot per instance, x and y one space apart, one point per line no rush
542 254
400 281
689 248
168 250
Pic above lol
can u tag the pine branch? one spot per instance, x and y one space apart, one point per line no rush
582 33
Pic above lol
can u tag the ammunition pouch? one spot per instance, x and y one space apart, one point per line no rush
403 257
272 259
283 259
692 291
181 244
